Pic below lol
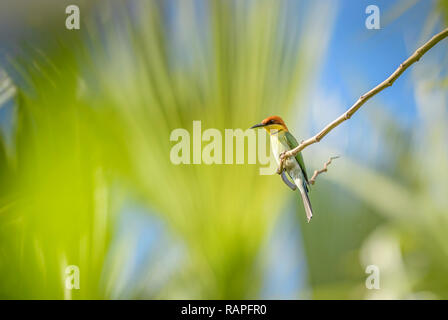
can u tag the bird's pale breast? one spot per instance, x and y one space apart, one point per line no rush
279 144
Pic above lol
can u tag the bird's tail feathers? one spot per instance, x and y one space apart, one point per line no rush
307 205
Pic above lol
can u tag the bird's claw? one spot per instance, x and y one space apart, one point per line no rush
280 168
282 155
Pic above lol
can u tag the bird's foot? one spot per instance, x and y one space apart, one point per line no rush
280 168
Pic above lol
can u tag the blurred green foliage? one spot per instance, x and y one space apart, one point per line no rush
443 7
94 113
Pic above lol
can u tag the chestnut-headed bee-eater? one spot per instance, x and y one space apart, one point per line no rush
282 140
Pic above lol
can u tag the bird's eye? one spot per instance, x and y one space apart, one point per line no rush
271 121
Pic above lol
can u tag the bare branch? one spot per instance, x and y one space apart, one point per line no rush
324 169
358 104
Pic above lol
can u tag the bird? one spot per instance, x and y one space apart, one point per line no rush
281 141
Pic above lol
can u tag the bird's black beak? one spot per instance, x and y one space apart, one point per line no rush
258 126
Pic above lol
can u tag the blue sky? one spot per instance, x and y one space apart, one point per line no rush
356 60
358 57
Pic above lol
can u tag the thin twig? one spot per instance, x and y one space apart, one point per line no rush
386 83
324 169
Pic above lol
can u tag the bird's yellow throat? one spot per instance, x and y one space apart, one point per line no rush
275 128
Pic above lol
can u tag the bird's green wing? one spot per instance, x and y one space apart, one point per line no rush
292 142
